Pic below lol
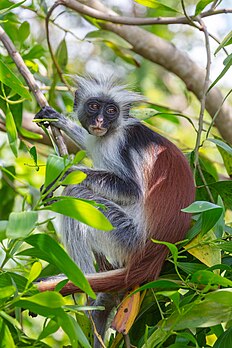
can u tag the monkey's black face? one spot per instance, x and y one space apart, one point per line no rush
99 116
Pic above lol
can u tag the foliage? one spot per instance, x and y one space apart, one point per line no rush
190 305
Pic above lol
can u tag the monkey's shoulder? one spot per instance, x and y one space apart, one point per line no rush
139 136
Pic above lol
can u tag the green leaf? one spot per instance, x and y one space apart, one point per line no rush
220 225
37 51
227 246
156 337
82 211
49 329
222 144
122 53
225 340
76 308
157 5
24 31
201 5
207 277
195 229
33 154
48 304
143 113
7 291
11 131
6 337
158 285
62 54
214 309
12 81
28 134
191 268
21 224
173 249
80 155
10 278
210 218
11 320
9 8
50 251
224 189
211 213
227 158
225 42
34 272
48 299
200 206
3 227
75 177
173 295
55 166
61 284
73 330
227 62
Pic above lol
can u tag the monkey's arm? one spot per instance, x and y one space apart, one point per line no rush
75 132
108 185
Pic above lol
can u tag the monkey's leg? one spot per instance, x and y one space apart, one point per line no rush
82 240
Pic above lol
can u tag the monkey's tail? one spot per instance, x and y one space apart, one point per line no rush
114 280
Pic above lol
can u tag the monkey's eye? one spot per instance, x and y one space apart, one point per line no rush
111 110
93 106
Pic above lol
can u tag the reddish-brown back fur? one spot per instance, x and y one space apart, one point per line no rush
170 188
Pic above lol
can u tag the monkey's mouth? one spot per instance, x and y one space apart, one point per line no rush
98 131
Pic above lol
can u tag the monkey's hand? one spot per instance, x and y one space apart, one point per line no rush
48 116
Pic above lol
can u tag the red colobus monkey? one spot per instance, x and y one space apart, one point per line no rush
142 179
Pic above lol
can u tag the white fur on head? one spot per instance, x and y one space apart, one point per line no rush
106 85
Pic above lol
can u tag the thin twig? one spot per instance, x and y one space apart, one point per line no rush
51 20
202 109
127 341
95 331
218 41
189 18
30 81
204 93
205 183
59 71
214 5
89 11
216 114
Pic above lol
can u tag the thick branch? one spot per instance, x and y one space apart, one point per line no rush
164 53
28 77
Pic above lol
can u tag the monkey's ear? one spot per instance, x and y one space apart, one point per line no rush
76 101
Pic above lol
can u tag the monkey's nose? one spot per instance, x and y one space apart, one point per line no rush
99 121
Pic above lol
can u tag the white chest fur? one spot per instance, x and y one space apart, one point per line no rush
105 151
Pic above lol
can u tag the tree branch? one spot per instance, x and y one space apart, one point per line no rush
30 81
164 53
114 18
